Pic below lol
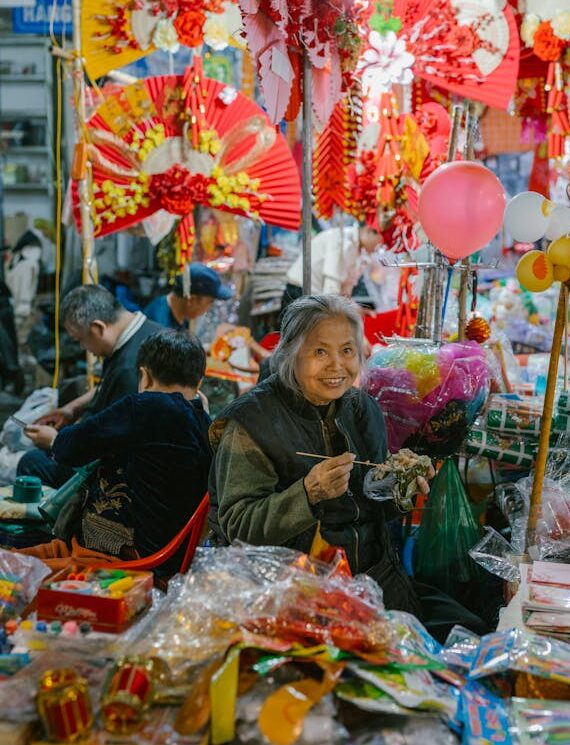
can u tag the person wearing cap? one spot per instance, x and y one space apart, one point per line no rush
174 310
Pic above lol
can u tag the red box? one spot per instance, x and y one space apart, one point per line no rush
108 614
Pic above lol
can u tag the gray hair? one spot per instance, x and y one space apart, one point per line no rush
299 319
88 303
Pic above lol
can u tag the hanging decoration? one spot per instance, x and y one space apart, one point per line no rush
116 33
470 48
334 154
395 155
174 142
278 31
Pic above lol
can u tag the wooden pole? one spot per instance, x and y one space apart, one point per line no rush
307 190
546 422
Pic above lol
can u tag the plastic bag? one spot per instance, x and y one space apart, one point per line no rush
535 722
38 403
20 579
460 647
526 653
495 554
447 533
430 395
484 716
396 479
272 596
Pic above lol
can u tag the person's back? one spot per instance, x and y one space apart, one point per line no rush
155 459
154 456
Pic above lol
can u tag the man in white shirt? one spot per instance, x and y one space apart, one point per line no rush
338 256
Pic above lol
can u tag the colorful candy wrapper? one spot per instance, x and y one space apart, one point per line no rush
484 716
535 722
460 647
411 689
522 652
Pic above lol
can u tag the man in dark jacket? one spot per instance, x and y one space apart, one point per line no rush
94 318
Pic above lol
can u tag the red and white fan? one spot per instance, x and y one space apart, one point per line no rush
174 142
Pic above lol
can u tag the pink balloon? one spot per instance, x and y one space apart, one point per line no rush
461 208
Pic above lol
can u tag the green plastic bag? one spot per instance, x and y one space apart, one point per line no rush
447 532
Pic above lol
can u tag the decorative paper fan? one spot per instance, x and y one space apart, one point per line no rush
117 32
470 47
175 142
334 154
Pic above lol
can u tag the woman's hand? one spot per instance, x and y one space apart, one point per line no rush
41 435
329 478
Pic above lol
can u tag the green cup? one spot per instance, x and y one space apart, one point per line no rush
27 489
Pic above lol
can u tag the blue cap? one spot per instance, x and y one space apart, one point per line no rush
205 281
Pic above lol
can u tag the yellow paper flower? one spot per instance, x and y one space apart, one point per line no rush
528 28
561 25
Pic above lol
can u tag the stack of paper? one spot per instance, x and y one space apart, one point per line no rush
547 610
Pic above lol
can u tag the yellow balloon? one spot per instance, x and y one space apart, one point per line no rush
559 251
535 271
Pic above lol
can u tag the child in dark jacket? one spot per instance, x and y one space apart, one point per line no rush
153 450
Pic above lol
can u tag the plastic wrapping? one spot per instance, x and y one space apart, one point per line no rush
460 647
495 554
514 451
535 722
517 650
272 594
447 532
39 403
522 416
20 579
396 479
429 395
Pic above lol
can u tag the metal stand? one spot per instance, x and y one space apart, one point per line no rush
307 186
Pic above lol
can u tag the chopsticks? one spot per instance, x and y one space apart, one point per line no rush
329 457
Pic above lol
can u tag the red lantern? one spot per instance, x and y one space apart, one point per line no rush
128 693
64 705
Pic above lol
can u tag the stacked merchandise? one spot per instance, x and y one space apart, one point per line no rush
267 645
547 608
269 280
510 429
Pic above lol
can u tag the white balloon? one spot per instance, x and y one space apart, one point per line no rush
526 216
559 223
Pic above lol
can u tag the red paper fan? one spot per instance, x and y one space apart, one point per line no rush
445 36
174 142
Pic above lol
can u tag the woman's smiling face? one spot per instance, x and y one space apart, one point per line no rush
328 363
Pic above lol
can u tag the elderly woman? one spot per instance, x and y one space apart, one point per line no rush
263 492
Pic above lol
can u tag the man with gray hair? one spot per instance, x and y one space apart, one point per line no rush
94 318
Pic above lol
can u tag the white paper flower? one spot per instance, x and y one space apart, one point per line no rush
219 28
227 95
561 25
528 28
165 36
385 63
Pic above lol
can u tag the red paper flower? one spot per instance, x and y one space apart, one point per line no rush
178 190
547 46
190 27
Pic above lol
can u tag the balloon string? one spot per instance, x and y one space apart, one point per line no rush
446 298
